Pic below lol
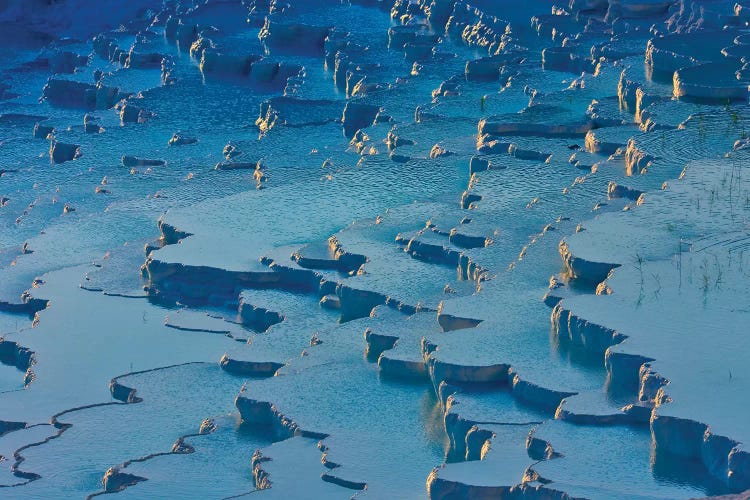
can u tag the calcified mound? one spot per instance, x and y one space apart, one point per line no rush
712 81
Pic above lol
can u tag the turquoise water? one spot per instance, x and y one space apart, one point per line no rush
381 431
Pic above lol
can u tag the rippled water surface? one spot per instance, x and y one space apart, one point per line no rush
282 306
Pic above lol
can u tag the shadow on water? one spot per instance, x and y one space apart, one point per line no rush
673 470
255 434
576 354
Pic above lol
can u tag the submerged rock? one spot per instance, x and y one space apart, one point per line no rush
357 116
293 37
438 151
141 60
178 139
214 62
132 161
330 301
68 93
61 152
130 113
66 62
90 125
236 165
534 129
114 480
231 151
42 131
717 82
615 190
258 318
565 59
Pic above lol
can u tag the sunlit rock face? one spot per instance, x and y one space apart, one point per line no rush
385 248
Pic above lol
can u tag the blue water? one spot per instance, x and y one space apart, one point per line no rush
386 433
